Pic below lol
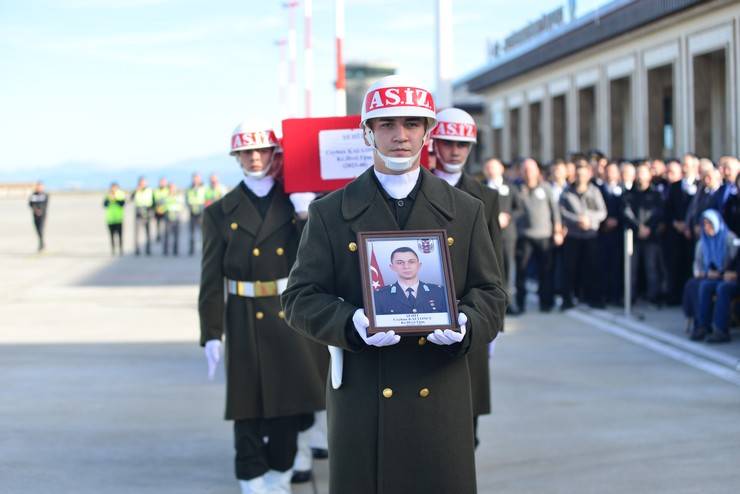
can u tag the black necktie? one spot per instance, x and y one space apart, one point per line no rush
412 299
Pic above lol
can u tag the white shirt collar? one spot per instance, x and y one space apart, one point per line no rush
398 186
496 183
404 287
450 178
260 187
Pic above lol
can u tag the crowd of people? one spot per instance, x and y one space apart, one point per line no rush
162 208
569 218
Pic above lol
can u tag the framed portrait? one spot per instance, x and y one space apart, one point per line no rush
407 281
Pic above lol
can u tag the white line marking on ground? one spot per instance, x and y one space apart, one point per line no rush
669 351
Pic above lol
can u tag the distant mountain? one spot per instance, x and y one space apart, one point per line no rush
90 176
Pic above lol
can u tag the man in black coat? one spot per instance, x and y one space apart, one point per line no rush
643 213
508 201
610 235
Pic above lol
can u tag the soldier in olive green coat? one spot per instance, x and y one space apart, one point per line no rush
453 139
275 378
400 416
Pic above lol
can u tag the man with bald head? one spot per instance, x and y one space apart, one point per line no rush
508 202
538 229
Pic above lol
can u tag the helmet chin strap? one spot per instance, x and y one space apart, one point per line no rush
395 163
256 175
449 167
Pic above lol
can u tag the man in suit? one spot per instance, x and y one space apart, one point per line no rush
391 394
409 295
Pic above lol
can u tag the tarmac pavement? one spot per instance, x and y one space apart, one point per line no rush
105 390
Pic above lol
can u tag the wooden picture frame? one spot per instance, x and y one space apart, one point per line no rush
430 303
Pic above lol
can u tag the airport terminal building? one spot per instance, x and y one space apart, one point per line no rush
637 78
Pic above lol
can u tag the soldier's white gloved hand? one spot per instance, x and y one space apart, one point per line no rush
301 200
361 322
491 348
213 356
449 337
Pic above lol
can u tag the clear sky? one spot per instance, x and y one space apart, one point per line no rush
150 82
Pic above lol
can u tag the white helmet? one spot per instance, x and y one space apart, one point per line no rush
248 136
454 124
252 136
397 96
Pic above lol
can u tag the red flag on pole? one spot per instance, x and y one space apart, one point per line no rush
377 277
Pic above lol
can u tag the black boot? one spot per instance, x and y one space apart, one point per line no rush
718 337
698 334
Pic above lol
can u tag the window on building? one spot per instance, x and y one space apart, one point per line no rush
620 118
535 130
587 118
559 124
711 118
661 127
514 133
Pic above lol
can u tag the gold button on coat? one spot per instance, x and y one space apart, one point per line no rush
279 251
450 241
281 314
255 252
352 246
234 226
424 392
259 315
422 341
387 392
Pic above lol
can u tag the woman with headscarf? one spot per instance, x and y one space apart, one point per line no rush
714 266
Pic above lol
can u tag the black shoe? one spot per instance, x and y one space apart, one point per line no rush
597 305
511 311
319 453
718 337
698 334
545 308
566 305
301 477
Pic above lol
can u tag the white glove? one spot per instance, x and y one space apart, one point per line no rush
337 365
449 337
361 322
301 200
213 356
491 348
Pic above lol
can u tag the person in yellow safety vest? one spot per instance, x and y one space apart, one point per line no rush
114 203
160 194
196 199
143 198
174 205
215 190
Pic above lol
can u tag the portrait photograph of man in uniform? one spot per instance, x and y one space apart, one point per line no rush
409 295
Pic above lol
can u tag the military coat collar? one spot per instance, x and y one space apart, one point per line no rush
365 208
239 208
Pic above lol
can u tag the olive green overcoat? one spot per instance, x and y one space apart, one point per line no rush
480 380
401 423
270 370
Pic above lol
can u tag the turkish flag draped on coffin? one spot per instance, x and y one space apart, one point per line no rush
324 154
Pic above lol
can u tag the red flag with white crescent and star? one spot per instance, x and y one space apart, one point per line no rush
376 276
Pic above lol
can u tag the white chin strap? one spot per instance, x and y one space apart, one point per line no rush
395 163
257 175
449 167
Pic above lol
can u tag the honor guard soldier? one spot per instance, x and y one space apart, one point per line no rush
143 198
39 202
173 206
397 406
274 382
160 196
196 199
114 203
453 139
